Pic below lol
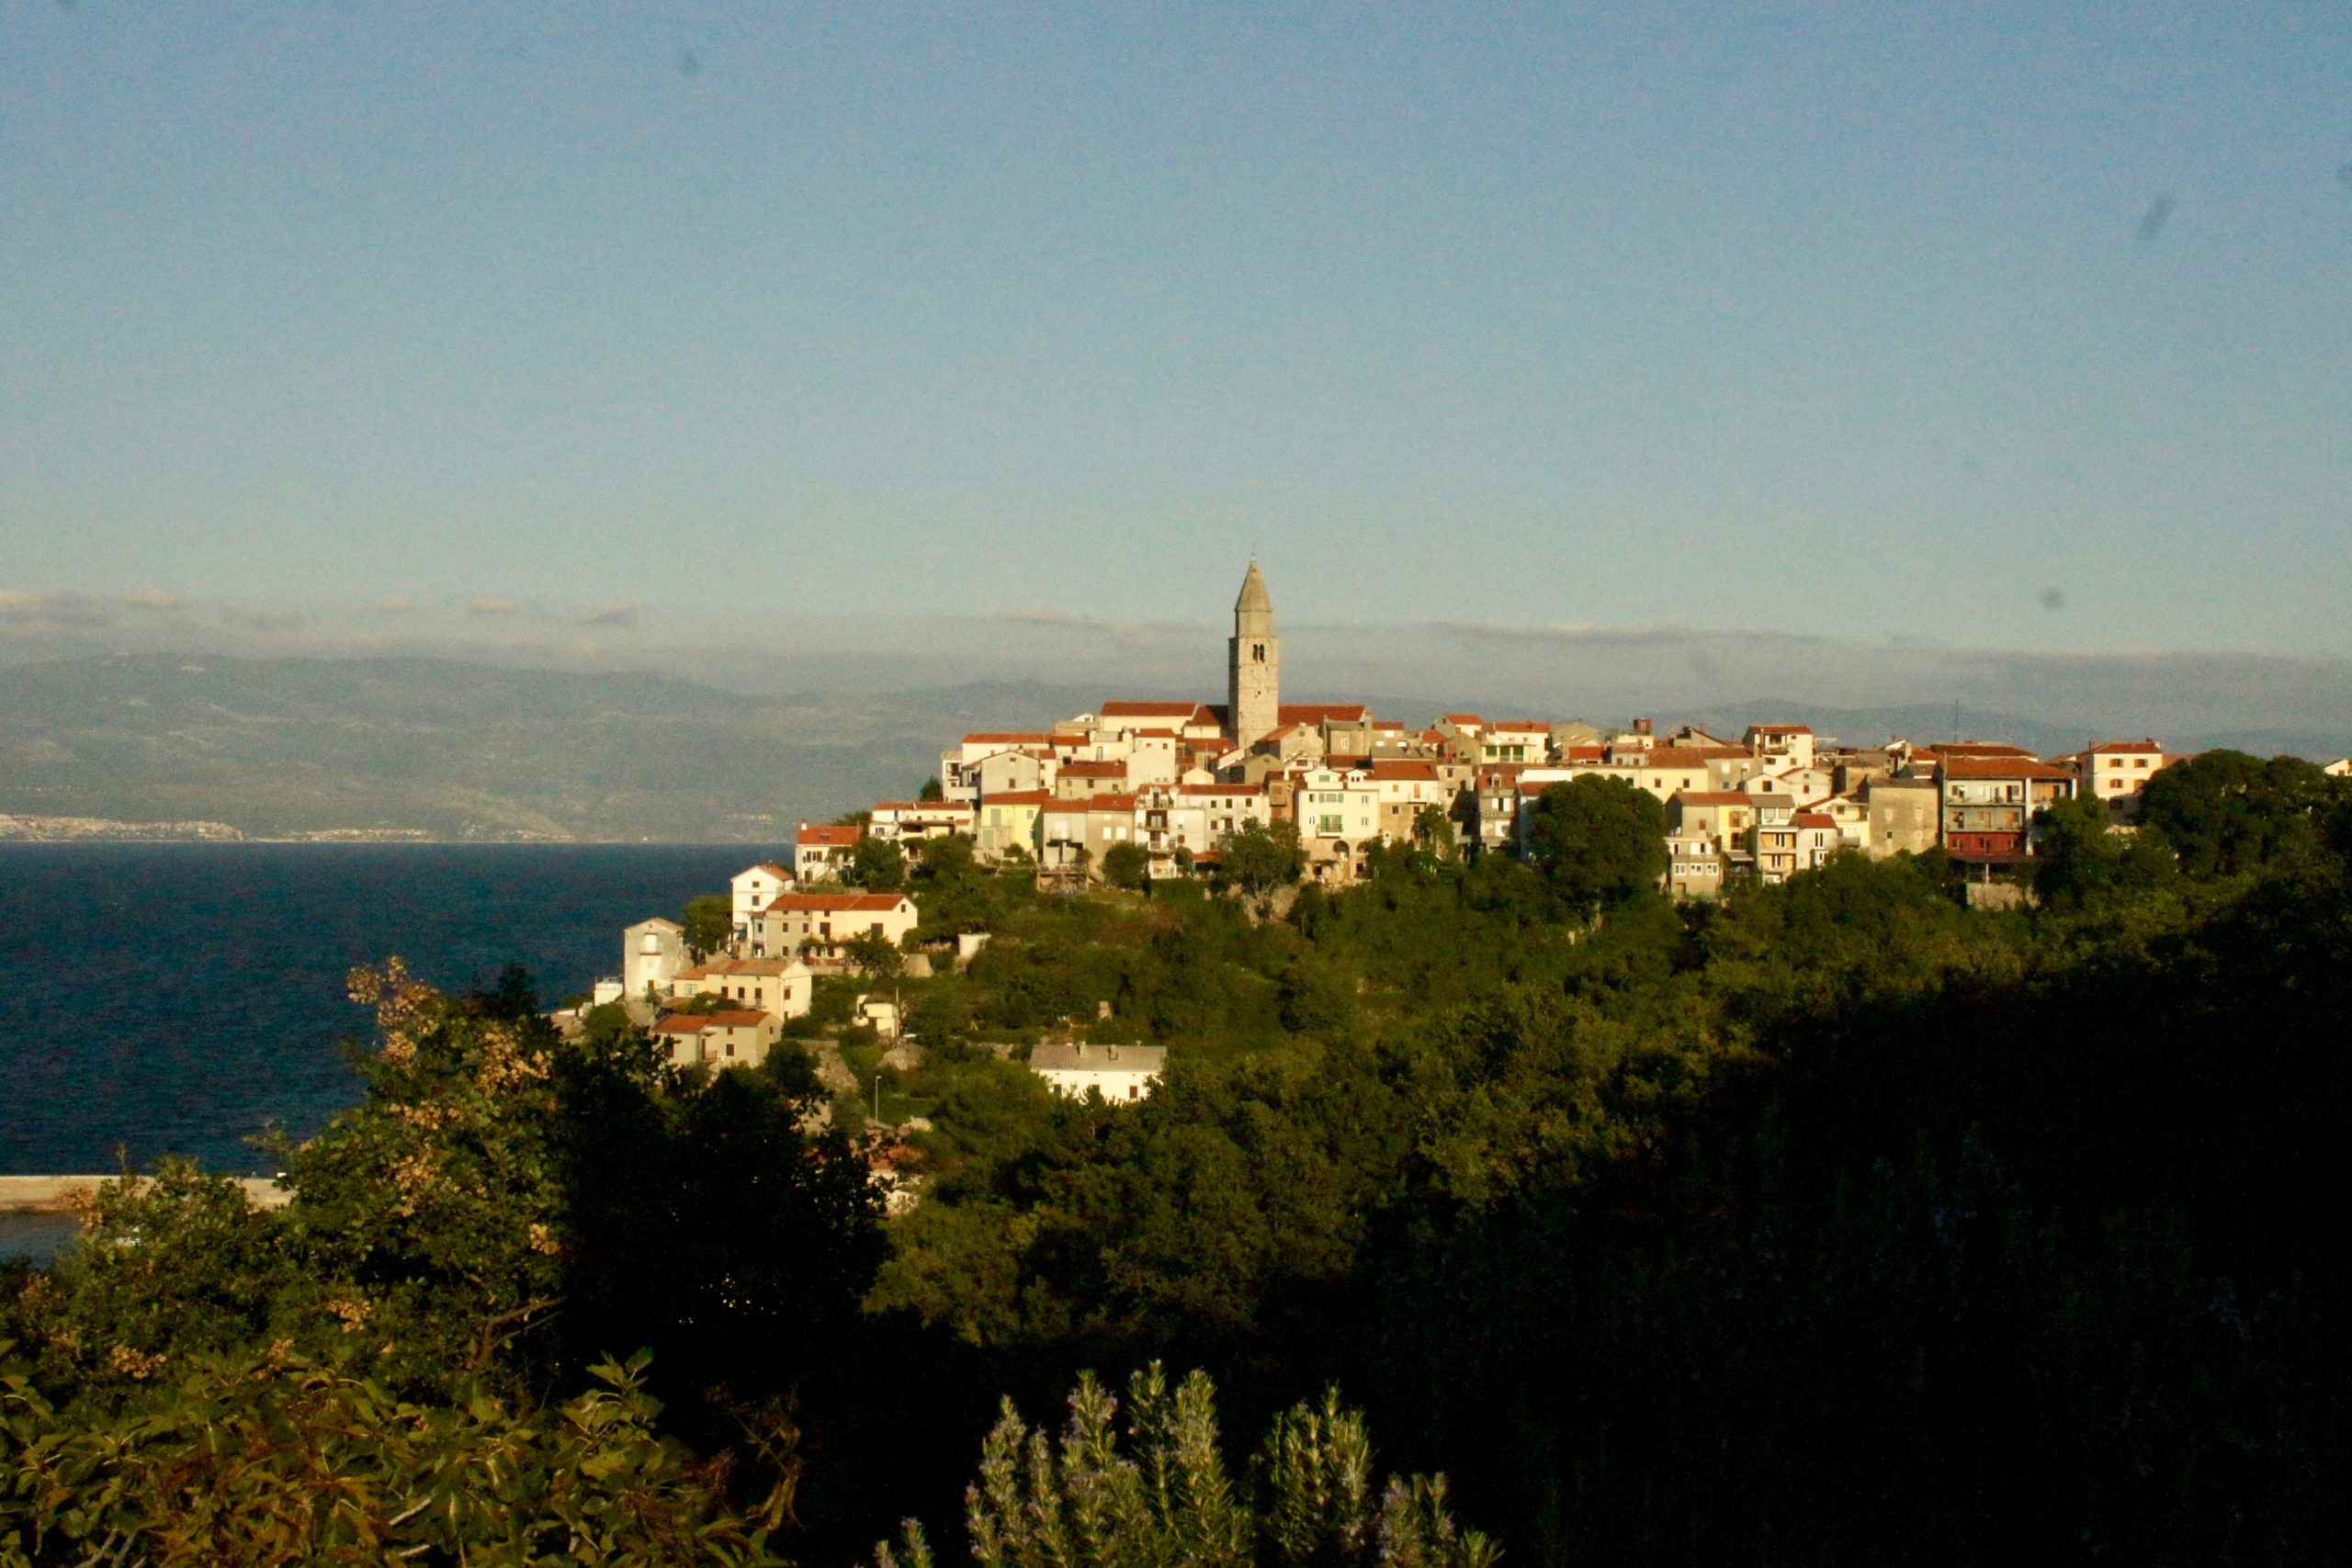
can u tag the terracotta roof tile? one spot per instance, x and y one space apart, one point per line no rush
835 903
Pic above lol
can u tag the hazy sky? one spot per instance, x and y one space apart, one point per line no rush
1995 324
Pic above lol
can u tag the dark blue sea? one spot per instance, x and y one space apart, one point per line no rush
181 998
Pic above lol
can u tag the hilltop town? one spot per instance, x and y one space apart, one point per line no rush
1142 790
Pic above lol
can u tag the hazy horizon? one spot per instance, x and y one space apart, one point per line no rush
1601 673
1995 327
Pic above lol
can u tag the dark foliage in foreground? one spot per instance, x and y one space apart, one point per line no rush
1833 1224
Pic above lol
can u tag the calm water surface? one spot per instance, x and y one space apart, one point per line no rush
181 998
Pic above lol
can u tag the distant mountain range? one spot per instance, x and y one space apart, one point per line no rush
289 746
446 750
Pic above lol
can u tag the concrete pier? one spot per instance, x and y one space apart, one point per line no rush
54 1194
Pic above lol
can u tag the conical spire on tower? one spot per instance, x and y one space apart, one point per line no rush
1253 612
1253 592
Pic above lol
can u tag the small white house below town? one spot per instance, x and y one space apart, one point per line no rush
1122 1072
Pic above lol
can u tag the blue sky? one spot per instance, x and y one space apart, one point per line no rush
1994 325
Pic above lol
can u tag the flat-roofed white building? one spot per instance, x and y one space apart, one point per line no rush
914 820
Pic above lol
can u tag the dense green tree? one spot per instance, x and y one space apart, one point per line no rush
1599 841
1124 866
1260 859
878 865
2079 858
712 1228
947 860
932 789
709 919
276 1456
871 952
2226 814
1433 831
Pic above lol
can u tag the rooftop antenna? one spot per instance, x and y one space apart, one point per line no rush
1955 721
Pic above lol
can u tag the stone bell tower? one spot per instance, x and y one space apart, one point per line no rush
1254 664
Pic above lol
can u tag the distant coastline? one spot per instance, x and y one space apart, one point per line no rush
20 829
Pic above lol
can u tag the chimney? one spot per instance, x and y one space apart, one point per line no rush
1641 727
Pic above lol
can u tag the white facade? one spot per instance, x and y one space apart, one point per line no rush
652 954
755 889
1121 1073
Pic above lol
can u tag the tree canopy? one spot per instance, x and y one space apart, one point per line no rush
1599 840
878 865
1834 1220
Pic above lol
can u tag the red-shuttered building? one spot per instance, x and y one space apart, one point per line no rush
1988 804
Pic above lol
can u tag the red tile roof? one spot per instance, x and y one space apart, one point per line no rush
1093 803
1082 770
1712 797
1008 738
1322 713
2001 768
836 903
695 1022
1386 770
1814 820
741 967
1780 729
1019 797
810 836
1149 710
2128 746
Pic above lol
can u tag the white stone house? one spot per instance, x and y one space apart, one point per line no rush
1121 1073
753 890
782 986
738 1039
821 852
652 954
818 926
